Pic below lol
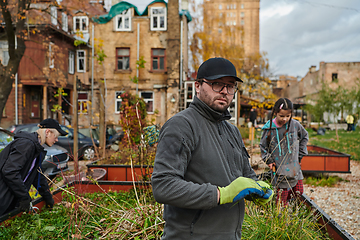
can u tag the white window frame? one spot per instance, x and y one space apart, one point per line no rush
122 58
190 91
71 62
233 110
156 17
118 99
64 21
81 109
5 57
125 16
81 19
51 55
78 59
148 100
5 52
53 14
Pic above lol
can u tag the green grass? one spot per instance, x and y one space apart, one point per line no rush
348 143
118 215
115 215
322 181
295 222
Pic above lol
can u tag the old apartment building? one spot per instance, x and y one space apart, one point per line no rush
77 31
333 74
157 36
51 62
241 15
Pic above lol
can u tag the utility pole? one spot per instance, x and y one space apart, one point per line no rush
75 124
102 124
60 104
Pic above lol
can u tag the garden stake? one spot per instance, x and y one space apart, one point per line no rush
273 177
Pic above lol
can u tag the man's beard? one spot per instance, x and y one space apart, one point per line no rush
220 107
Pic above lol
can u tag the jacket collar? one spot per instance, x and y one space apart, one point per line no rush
208 112
32 137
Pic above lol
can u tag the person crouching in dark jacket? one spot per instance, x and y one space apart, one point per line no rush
19 164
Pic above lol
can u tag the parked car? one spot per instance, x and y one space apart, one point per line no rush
85 144
55 161
5 138
114 133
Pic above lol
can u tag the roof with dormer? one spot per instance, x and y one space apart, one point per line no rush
122 6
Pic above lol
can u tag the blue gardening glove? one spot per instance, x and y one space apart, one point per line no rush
238 189
262 200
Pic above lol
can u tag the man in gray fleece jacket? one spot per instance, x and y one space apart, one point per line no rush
202 172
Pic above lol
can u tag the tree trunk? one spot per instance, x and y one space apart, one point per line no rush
16 42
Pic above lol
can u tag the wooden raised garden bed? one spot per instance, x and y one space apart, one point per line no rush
116 172
322 159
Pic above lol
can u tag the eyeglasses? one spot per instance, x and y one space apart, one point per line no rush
218 87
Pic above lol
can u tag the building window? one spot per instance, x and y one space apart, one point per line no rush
51 55
123 58
149 100
334 77
6 57
189 93
53 14
242 22
80 60
123 21
158 59
71 62
81 24
64 21
4 48
242 6
82 102
242 14
118 101
220 7
158 18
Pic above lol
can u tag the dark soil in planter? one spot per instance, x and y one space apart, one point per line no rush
124 154
89 175
317 152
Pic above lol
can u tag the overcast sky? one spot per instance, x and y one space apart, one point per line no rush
297 34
